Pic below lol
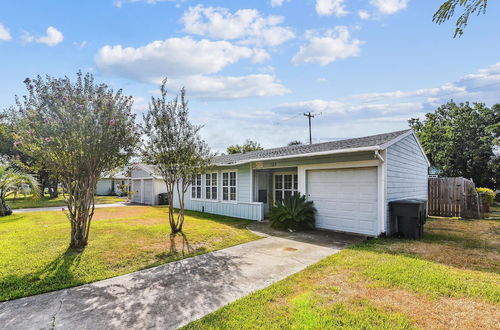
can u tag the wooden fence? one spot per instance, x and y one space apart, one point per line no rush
453 197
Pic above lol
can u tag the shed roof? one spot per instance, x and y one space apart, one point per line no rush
348 145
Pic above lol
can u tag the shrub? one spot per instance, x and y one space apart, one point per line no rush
487 194
294 213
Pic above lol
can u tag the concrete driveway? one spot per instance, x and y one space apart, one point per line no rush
177 293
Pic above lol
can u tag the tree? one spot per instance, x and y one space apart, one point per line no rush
78 130
12 180
174 146
248 146
459 139
294 143
447 10
23 162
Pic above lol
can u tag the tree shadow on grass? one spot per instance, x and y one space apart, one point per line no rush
55 275
179 248
11 218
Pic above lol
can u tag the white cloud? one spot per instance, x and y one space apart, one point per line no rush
52 38
363 14
335 44
351 116
389 7
330 7
119 3
247 26
4 33
193 64
224 87
277 3
170 57
80 45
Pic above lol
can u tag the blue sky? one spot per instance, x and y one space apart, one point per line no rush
250 71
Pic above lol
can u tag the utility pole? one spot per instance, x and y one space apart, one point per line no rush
309 115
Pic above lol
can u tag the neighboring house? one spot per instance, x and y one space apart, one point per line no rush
350 181
147 184
109 184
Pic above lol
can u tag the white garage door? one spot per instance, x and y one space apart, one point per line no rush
148 192
346 199
136 188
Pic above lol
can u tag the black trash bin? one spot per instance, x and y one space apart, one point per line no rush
162 199
408 218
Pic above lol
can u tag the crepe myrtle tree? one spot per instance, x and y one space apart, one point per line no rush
79 130
174 146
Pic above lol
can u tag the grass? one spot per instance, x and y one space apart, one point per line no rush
45 201
448 279
34 256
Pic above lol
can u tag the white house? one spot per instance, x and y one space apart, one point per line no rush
350 181
147 184
109 184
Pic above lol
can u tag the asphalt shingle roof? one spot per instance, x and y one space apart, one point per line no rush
366 141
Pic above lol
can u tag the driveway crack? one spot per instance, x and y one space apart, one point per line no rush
53 325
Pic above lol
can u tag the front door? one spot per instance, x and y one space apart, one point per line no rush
285 185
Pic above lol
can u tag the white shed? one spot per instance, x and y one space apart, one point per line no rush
147 184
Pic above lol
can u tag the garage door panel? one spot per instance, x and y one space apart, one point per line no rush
136 188
346 199
148 191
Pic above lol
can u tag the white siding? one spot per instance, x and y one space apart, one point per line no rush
138 173
103 187
407 171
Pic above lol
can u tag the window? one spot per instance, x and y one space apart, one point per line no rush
285 185
196 187
211 186
229 186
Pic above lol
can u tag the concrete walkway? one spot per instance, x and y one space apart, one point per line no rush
58 208
173 294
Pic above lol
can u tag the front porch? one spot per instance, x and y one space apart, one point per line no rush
272 185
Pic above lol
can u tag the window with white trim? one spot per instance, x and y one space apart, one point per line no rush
285 185
196 187
229 186
211 186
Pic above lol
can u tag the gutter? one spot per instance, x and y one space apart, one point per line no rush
320 153
377 155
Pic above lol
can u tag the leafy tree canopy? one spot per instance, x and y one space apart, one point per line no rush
248 146
175 147
447 10
79 130
460 140
294 143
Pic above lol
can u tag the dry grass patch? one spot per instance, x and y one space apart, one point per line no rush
447 280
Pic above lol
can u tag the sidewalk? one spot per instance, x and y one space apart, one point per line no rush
58 208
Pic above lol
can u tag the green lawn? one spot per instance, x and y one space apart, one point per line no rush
34 256
25 203
448 279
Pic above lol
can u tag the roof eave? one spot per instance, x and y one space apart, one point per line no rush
312 154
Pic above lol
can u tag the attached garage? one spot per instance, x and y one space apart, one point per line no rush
346 199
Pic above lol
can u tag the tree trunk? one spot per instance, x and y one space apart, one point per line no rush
81 206
53 192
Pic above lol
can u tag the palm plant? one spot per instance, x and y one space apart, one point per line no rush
12 180
295 213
